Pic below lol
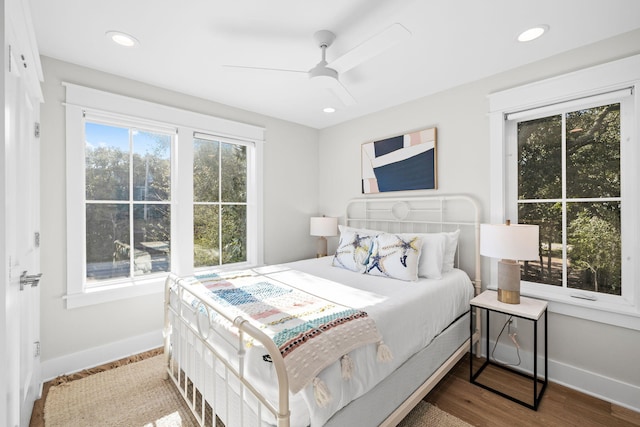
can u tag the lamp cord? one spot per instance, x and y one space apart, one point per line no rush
514 341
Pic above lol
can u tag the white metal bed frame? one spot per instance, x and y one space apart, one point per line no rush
201 371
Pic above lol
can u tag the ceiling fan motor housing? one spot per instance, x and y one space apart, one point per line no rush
323 75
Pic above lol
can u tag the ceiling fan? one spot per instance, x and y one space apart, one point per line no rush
326 74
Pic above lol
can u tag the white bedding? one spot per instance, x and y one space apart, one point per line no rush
408 315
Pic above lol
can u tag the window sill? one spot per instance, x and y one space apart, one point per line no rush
125 290
626 316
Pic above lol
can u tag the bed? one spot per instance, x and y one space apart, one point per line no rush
389 318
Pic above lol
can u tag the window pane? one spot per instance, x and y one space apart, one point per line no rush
205 236
107 241
151 166
593 152
594 247
206 163
234 234
234 173
106 162
152 224
548 216
540 158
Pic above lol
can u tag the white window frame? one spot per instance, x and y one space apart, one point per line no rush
544 97
80 99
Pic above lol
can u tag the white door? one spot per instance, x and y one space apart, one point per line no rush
27 262
21 225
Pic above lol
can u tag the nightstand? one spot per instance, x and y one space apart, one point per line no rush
529 309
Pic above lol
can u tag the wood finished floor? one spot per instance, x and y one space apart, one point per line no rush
560 406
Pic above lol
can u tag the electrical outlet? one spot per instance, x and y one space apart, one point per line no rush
513 324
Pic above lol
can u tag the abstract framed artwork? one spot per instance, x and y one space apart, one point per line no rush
404 162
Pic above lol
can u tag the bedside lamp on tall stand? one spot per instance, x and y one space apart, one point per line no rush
323 226
509 243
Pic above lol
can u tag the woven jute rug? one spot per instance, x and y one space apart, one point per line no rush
132 395
138 395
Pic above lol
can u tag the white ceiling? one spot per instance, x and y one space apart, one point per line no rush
184 43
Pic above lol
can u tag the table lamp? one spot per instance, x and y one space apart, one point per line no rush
510 243
323 226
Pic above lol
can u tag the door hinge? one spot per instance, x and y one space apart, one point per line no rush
9 59
36 349
36 239
36 130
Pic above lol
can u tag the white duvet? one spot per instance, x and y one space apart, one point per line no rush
409 315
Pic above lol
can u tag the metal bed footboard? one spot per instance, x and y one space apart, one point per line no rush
212 383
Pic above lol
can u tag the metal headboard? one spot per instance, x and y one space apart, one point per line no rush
425 214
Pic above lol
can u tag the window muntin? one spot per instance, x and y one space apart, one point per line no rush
569 183
127 199
220 175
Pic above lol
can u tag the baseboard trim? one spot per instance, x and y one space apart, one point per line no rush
593 384
596 385
100 355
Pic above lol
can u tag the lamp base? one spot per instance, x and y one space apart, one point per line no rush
508 297
321 248
508 281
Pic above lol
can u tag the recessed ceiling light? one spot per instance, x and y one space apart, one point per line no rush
533 33
123 39
329 110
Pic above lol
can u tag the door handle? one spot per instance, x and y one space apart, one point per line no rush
29 280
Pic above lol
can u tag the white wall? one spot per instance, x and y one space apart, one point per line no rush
87 336
597 358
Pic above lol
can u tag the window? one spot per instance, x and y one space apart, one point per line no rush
128 200
564 155
174 191
220 202
568 174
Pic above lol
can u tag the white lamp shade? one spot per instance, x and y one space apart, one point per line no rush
324 226
513 242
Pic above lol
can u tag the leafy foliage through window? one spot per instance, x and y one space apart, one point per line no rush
569 183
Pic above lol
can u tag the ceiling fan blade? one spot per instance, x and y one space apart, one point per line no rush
370 48
342 93
246 67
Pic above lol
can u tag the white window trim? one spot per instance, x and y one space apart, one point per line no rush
79 99
592 81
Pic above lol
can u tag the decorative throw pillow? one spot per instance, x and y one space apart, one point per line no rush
395 256
431 258
353 251
450 246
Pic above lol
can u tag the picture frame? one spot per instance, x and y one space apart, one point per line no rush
400 163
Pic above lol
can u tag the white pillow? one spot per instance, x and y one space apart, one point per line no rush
431 258
395 256
450 246
353 251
